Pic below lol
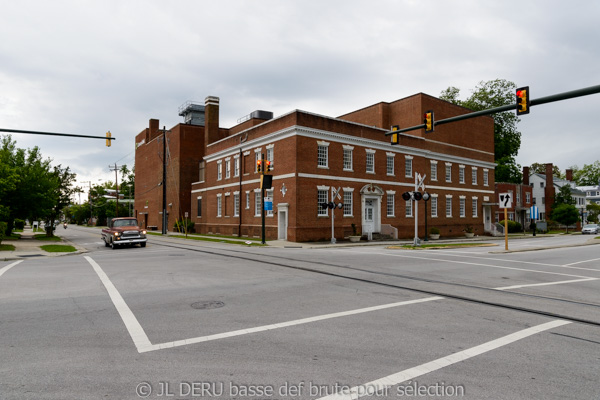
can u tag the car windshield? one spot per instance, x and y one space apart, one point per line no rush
590 226
126 222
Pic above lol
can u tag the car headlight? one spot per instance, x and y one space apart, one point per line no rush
143 232
117 233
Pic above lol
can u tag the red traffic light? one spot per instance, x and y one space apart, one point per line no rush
522 95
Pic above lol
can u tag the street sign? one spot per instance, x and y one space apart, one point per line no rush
534 213
268 204
505 200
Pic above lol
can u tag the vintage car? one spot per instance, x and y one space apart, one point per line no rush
123 231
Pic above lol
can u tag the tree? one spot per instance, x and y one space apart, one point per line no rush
507 139
565 214
589 175
539 168
59 194
593 212
563 196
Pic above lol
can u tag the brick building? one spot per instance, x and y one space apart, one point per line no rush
215 169
522 200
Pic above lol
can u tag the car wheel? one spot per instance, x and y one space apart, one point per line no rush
105 243
143 244
112 245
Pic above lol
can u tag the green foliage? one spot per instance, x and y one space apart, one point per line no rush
540 168
513 226
563 197
507 139
2 230
183 226
58 248
565 214
588 175
19 224
593 212
434 231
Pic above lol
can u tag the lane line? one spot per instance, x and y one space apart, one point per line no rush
584 261
381 385
545 284
287 324
476 264
139 337
9 266
453 253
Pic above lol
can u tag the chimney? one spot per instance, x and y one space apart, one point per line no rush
211 123
526 176
549 192
569 174
152 129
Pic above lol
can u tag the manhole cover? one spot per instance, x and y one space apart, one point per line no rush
207 305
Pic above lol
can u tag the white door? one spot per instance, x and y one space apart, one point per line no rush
282 221
369 216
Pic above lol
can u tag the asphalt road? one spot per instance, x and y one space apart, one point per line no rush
181 319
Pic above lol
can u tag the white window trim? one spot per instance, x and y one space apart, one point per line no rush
351 150
434 162
392 155
326 145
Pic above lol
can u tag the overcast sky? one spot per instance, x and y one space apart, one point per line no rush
86 67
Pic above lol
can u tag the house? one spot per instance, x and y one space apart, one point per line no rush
522 200
212 178
546 186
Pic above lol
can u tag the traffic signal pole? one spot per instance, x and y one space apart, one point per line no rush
107 138
533 102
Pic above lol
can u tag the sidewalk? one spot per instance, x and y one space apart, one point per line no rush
28 247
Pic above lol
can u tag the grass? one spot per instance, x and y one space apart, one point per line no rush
58 248
215 238
441 246
7 247
45 238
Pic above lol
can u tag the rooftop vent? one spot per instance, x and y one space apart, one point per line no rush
258 114
192 113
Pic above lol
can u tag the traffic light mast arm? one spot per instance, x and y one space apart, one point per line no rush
533 102
54 134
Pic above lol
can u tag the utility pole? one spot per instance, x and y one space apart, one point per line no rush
116 169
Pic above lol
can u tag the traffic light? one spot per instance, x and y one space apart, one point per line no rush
395 136
428 121
324 205
523 100
258 166
407 196
418 196
268 166
108 140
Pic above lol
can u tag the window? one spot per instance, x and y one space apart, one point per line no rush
270 154
541 184
408 167
543 200
322 198
347 202
434 206
323 155
518 197
461 174
434 170
348 158
199 212
474 206
247 200
236 166
390 164
227 168
448 172
236 204
219 170
269 193
201 171
370 161
462 211
408 208
449 206
474 175
257 203
219 205
486 177
390 204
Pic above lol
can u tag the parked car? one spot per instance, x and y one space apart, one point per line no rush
592 229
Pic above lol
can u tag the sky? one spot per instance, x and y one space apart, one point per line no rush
87 67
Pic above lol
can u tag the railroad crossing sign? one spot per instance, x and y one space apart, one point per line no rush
505 200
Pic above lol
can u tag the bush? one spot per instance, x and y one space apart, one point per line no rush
434 231
181 225
513 226
19 224
3 226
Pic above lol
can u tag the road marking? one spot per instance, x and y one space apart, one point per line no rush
545 284
9 266
584 261
289 323
477 264
143 344
381 385
139 337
